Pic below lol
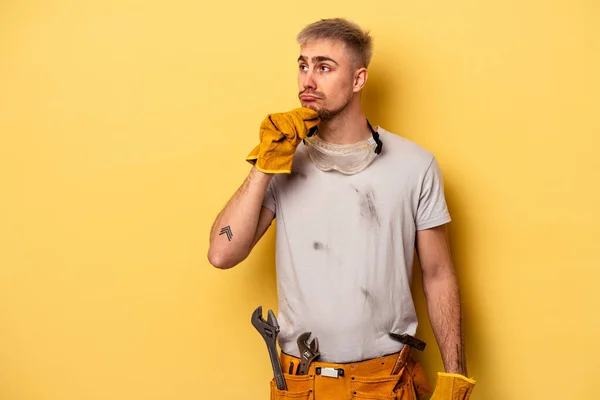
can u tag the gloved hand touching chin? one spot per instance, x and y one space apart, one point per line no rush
280 134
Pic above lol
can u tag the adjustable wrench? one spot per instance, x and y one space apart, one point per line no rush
269 330
308 352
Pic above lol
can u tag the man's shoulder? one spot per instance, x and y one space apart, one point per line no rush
400 148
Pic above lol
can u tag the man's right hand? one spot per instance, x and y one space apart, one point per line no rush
280 134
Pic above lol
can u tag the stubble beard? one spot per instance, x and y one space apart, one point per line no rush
327 114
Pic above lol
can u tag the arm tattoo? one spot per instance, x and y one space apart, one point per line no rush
227 231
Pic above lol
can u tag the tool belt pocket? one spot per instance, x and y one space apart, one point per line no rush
374 388
299 387
413 383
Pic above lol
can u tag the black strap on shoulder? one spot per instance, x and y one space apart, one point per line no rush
376 138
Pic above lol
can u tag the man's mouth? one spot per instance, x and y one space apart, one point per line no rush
308 97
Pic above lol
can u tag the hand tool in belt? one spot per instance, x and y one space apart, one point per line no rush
308 352
269 330
408 341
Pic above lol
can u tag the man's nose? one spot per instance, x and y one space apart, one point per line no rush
309 82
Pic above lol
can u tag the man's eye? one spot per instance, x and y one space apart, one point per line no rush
303 67
325 68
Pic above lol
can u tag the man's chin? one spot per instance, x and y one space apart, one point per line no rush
310 105
324 114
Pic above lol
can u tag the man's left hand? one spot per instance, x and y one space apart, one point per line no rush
452 387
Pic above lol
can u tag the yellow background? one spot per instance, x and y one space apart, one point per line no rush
124 127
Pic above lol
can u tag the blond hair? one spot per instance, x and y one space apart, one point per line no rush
348 32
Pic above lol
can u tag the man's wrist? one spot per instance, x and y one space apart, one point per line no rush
260 176
456 370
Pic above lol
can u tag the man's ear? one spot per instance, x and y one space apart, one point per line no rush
360 79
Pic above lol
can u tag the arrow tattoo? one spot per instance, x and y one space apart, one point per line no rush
227 231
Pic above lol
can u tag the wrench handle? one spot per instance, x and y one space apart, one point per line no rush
303 368
305 362
279 380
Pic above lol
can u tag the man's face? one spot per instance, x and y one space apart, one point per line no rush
325 77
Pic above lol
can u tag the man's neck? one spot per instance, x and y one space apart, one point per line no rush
348 127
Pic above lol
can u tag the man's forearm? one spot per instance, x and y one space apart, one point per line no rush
443 303
234 228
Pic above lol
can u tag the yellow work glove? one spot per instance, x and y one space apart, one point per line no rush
280 135
452 387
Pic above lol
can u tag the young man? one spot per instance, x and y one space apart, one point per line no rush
351 205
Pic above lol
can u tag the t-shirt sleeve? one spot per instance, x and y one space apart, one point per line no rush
269 200
432 209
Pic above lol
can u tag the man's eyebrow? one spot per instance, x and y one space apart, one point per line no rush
318 59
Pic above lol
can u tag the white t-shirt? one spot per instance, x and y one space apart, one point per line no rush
345 247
